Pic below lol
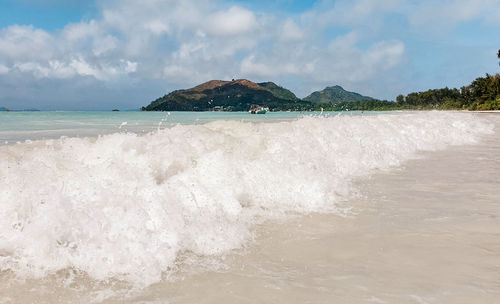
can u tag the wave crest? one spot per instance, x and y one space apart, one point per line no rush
125 206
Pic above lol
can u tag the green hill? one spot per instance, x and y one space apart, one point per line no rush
236 95
279 92
335 94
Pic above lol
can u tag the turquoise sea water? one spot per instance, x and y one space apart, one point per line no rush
21 126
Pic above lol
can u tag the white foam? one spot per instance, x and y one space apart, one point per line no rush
125 206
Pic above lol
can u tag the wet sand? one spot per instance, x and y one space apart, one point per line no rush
425 233
428 232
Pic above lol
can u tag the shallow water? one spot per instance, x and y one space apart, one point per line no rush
402 226
425 233
21 126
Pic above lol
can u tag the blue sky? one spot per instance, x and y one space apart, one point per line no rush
105 54
45 14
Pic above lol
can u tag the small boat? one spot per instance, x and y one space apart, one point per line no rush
257 109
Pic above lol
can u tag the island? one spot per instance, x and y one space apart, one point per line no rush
4 109
234 95
242 94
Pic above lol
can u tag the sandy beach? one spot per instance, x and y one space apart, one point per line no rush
216 151
425 232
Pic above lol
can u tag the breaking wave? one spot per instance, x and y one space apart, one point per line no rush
126 206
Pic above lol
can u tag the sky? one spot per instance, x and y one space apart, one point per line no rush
106 54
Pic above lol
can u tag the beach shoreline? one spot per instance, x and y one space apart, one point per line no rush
424 231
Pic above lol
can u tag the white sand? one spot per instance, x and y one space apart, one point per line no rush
426 233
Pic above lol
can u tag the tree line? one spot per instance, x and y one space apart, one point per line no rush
482 94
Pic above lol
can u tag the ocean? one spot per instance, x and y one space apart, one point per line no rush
141 207
21 126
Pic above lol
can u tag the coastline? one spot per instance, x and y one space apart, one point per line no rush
490 111
425 231
33 126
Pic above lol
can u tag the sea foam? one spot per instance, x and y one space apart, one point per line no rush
125 206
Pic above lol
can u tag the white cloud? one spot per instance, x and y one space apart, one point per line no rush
234 21
250 66
158 27
384 55
342 60
203 41
75 67
442 16
104 44
83 68
26 42
75 32
186 74
130 66
350 13
187 42
291 31
3 69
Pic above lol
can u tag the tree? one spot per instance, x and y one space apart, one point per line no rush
498 55
400 99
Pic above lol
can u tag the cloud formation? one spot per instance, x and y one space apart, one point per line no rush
181 43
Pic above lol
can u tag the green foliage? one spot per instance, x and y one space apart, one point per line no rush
481 95
236 95
400 99
363 105
278 91
334 94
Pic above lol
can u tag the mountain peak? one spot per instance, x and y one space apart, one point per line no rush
234 95
333 94
212 84
335 87
247 83
209 85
